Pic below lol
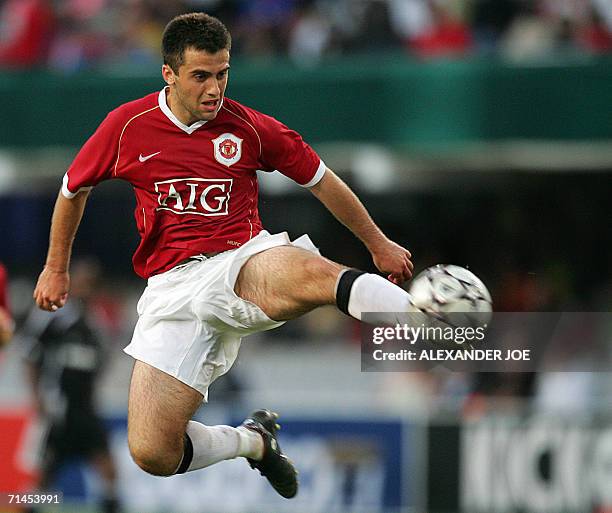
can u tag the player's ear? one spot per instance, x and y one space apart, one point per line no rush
168 74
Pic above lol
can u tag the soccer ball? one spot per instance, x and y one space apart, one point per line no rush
451 296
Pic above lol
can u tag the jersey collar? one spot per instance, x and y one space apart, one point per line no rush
163 105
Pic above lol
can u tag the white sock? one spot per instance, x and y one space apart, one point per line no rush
373 293
251 444
212 444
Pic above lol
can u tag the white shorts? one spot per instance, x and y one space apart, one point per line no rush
191 321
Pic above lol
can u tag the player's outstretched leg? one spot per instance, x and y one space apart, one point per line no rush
273 465
286 282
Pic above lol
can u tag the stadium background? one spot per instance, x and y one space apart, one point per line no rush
477 132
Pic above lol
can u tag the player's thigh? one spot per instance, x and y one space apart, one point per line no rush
286 281
159 408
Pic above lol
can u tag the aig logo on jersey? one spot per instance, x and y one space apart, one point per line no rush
199 196
228 149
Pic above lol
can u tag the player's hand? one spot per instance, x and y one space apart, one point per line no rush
394 260
51 291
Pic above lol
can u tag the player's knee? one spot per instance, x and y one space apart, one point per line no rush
320 270
154 460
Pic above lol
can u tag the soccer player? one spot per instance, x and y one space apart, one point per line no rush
6 320
214 274
64 354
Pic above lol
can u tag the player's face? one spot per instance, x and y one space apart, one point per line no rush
197 89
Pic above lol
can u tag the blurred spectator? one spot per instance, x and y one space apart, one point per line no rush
530 36
261 28
140 30
374 29
490 20
604 9
124 33
311 35
75 46
595 36
447 36
410 18
26 31
6 321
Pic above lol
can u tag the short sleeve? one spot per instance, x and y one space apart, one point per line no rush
284 150
95 161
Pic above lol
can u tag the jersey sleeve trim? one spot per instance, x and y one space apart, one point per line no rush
317 177
121 136
252 127
67 192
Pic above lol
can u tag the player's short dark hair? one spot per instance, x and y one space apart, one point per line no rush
193 30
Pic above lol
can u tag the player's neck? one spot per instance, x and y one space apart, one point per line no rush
175 107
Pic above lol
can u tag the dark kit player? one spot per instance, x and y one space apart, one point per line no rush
64 355
214 274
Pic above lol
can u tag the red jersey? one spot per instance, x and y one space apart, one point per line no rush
4 304
196 186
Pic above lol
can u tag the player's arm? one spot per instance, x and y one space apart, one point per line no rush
342 202
7 327
51 290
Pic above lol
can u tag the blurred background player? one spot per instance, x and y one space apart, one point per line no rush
6 321
64 355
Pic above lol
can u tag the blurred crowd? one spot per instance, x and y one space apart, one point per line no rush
71 35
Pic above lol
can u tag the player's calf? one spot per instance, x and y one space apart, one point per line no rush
358 292
159 408
201 446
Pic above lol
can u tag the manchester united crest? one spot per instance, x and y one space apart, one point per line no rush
228 149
